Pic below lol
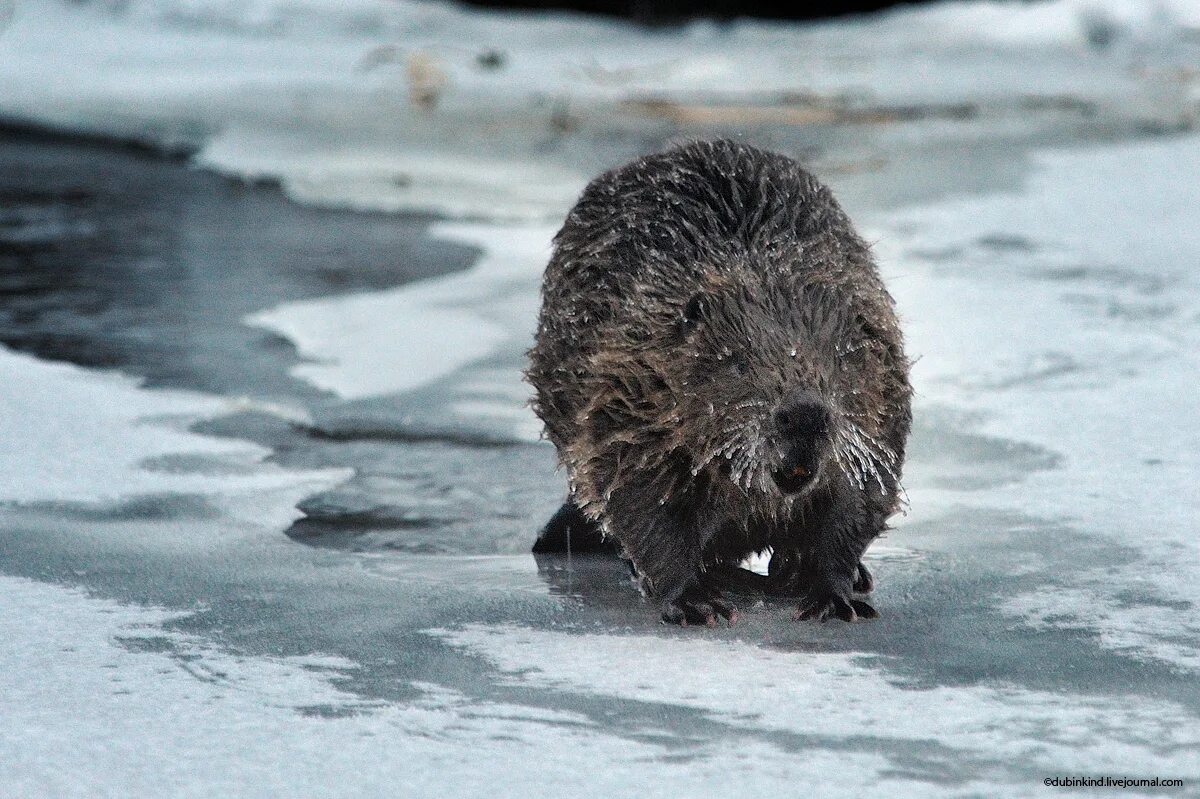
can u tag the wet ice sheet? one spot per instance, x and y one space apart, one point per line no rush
122 706
836 701
1082 340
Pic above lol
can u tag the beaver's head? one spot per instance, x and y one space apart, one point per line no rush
769 380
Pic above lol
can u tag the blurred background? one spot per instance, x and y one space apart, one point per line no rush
268 270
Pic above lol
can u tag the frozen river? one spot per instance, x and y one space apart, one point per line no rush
269 484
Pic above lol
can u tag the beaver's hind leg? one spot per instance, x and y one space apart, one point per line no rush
864 581
665 544
570 531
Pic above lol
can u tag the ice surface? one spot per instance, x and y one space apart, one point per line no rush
1095 355
1038 599
1082 339
838 699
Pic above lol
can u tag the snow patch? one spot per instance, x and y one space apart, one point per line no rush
832 697
77 436
395 341
1144 626
1059 22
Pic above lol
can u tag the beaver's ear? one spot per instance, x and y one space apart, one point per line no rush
695 311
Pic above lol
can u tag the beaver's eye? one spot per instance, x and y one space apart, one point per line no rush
739 363
695 311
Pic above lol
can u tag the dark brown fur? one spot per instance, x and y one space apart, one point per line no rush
711 326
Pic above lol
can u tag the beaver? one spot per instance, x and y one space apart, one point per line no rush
721 370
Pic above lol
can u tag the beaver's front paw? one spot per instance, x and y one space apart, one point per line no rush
698 605
823 604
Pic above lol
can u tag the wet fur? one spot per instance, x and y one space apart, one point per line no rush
689 294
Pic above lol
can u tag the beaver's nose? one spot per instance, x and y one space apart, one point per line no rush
801 415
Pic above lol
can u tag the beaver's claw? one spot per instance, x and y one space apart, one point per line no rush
699 606
825 604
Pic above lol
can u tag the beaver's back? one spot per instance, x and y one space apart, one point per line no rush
683 212
660 227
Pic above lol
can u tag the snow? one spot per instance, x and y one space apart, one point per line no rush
387 105
135 442
394 341
1060 22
